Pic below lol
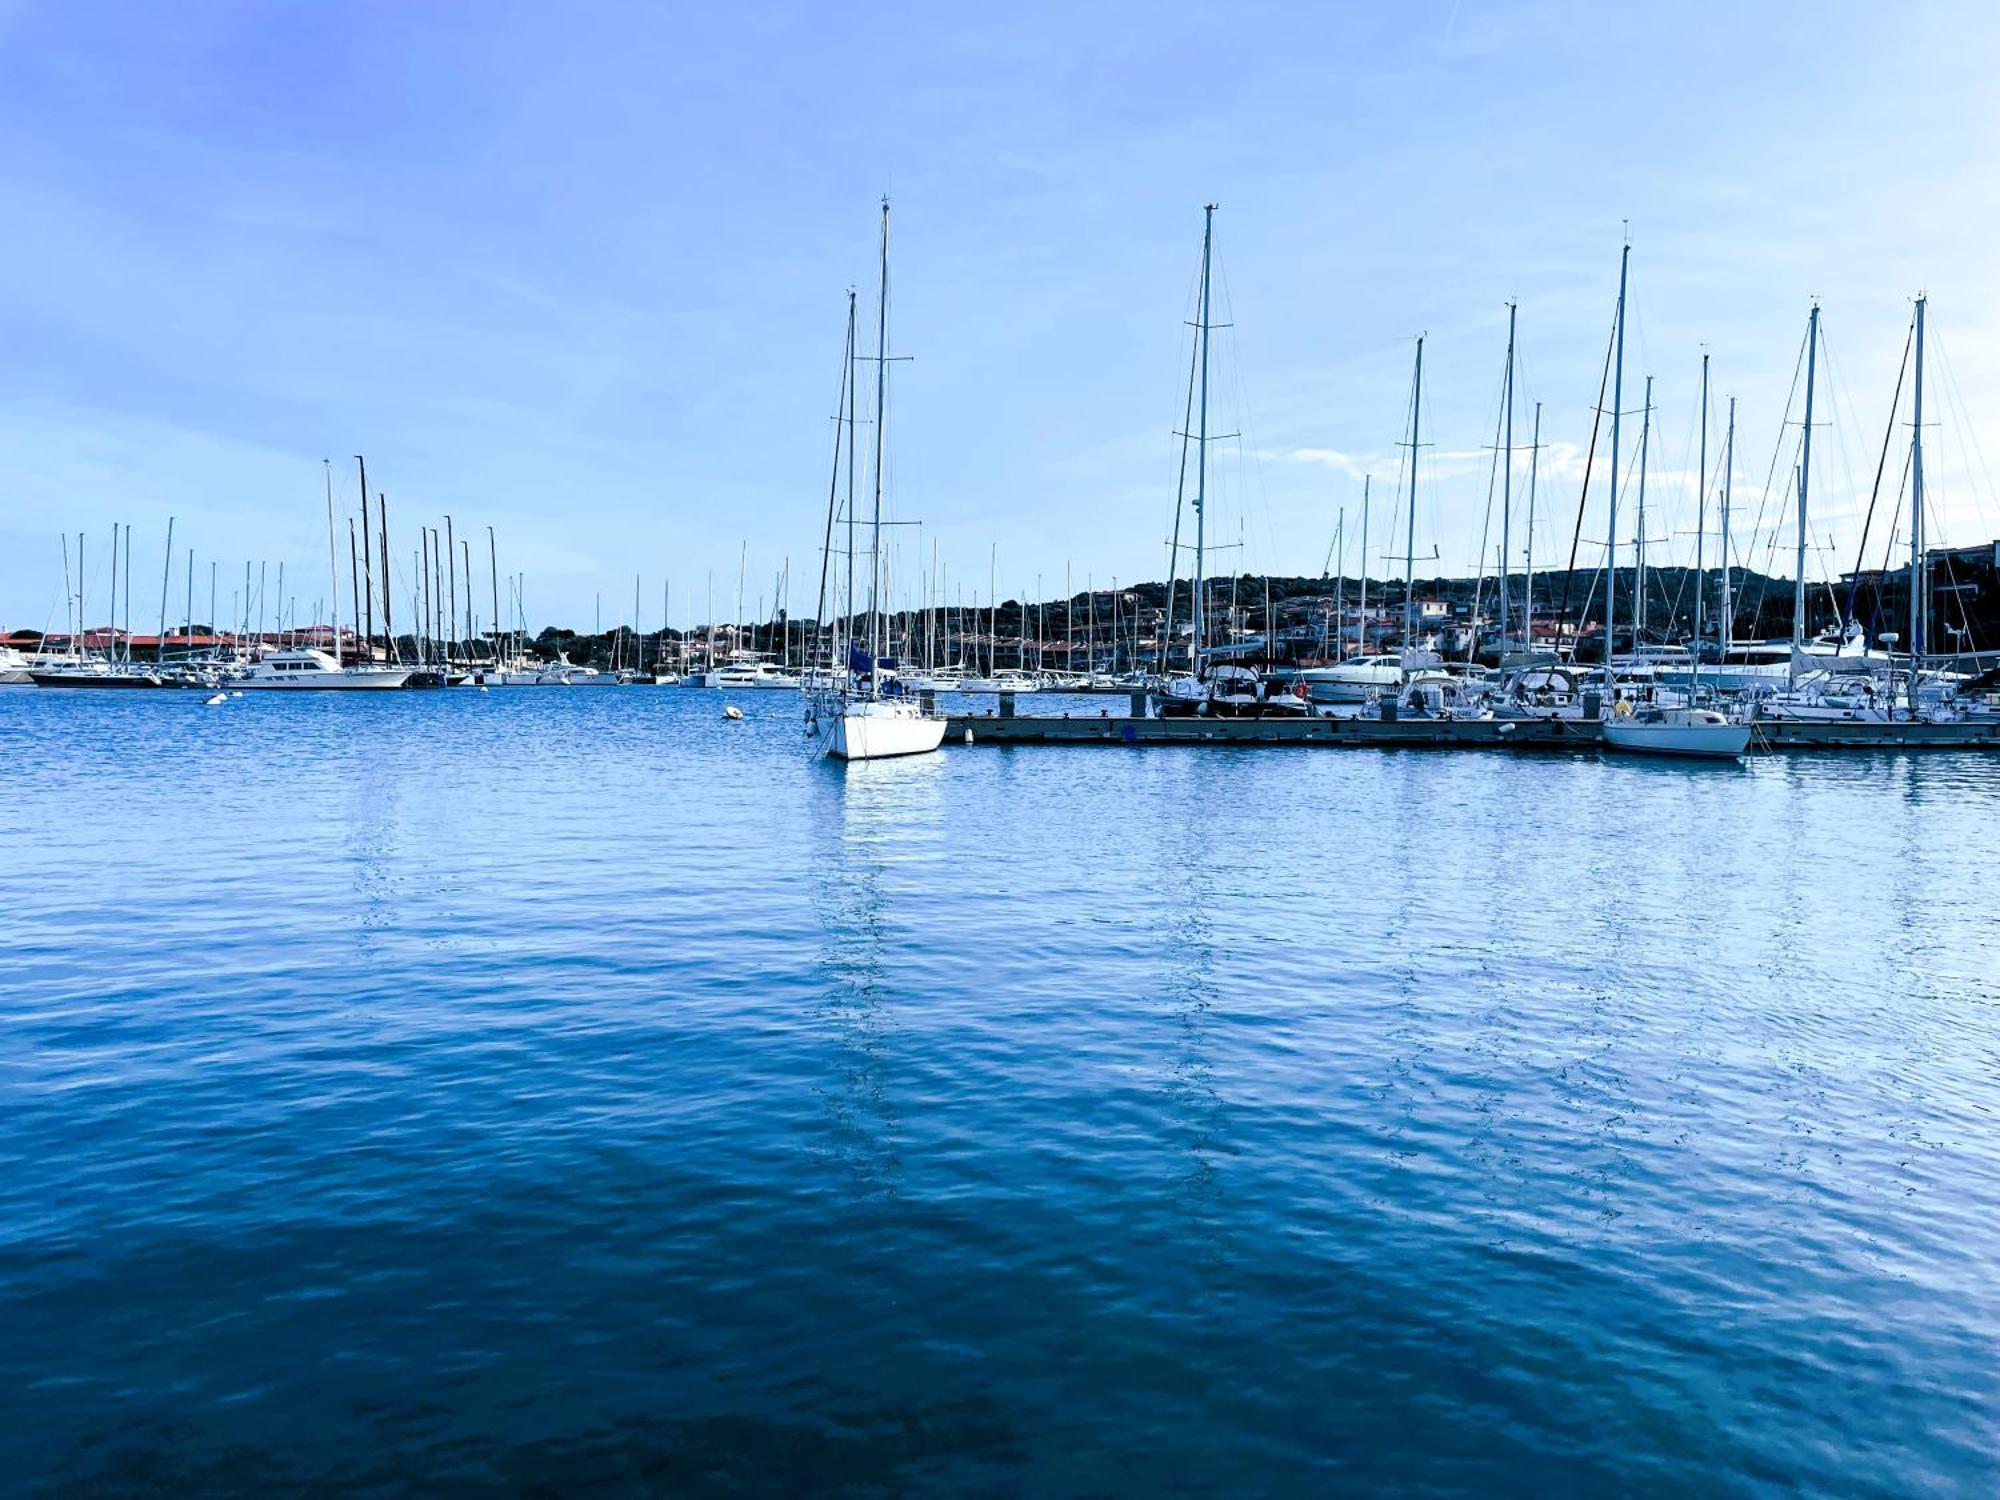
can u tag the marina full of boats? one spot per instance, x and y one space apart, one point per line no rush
1510 665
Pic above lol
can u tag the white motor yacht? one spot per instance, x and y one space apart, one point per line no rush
562 672
938 680
740 676
1006 680
315 669
1354 680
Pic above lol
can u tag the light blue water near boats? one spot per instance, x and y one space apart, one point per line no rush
573 1089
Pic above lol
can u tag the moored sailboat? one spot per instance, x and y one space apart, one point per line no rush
855 709
1651 728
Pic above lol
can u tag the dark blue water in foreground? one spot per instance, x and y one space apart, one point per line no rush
569 1089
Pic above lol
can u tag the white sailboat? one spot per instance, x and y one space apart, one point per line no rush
857 710
1656 730
1651 728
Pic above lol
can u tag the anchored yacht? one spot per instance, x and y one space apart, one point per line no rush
315 669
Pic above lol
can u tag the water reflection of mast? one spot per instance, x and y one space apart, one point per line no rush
1193 1105
866 818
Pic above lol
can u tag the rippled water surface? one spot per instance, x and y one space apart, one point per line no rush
571 1089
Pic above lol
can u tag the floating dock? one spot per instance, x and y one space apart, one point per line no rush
1402 733
1342 732
1858 734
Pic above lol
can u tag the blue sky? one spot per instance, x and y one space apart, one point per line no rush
578 272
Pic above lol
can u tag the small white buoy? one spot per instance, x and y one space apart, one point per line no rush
218 698
237 694
732 712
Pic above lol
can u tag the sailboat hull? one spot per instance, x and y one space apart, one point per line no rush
878 736
1699 741
87 679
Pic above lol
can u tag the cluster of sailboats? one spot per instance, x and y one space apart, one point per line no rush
871 691
1659 697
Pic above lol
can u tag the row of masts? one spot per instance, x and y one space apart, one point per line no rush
450 631
1196 439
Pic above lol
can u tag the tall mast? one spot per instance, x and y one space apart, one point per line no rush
1611 534
166 571
451 575
1700 525
332 560
881 424
424 570
1339 578
1917 642
368 563
850 414
353 581
1701 529
1361 630
493 577
1507 480
1201 459
1410 543
111 647
128 594
1726 627
1639 549
1805 484
1528 582
388 627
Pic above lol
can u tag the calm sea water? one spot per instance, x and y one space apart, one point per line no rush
574 1090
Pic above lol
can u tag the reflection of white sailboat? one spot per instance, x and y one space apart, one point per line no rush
857 710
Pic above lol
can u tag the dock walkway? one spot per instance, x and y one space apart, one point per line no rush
1439 734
